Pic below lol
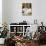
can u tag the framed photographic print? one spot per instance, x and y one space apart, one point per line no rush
26 9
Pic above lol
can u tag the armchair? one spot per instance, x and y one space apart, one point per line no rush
42 37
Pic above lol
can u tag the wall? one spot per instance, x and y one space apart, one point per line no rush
4 11
12 11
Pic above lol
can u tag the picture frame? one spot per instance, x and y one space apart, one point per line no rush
26 9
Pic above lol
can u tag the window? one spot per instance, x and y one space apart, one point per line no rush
0 13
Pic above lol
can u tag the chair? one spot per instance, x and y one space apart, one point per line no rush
42 37
9 42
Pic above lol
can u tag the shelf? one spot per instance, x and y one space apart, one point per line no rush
17 28
19 25
19 32
12 32
16 32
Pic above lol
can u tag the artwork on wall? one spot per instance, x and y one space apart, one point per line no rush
26 9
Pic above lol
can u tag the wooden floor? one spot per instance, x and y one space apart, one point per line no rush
34 44
1 45
42 45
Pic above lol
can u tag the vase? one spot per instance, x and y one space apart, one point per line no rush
2 40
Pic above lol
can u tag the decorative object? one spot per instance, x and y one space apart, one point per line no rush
4 32
2 40
28 34
27 9
35 21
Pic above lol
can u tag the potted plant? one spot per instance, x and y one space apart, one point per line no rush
3 34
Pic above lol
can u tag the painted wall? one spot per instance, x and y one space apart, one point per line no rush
13 11
4 11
